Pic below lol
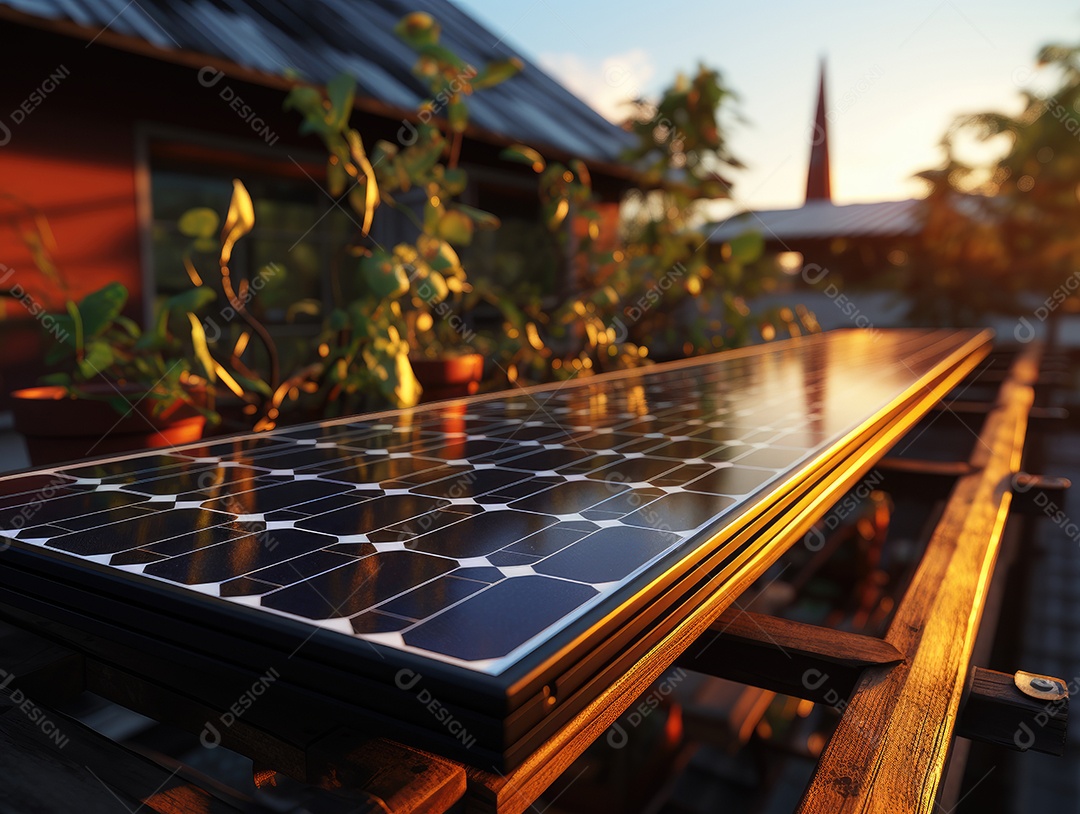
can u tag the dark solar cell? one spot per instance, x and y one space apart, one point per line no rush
358 586
371 514
495 621
481 534
138 531
608 554
238 557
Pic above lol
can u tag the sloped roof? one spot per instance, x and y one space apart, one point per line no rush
322 38
816 220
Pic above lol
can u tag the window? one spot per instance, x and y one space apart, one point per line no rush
295 258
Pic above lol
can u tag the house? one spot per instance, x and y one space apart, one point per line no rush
853 242
115 123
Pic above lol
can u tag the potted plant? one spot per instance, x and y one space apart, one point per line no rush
403 334
659 293
124 388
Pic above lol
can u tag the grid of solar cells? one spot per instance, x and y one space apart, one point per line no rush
471 532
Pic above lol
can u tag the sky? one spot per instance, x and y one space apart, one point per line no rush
898 73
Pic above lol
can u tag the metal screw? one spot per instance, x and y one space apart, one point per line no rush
1043 684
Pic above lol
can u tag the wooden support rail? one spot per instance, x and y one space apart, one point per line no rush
932 480
1004 709
892 744
824 666
806 661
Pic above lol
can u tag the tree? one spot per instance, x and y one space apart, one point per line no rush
996 231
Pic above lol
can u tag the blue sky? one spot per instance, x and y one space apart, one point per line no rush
898 72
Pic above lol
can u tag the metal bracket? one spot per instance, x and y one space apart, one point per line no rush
1025 711
1037 494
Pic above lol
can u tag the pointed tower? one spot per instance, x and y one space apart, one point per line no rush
818 176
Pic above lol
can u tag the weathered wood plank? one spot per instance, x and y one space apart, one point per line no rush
791 658
890 749
51 763
400 779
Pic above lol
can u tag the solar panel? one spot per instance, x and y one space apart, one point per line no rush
497 546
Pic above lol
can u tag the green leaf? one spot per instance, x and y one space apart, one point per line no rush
483 220
495 73
99 309
385 278
340 91
304 98
524 155
438 254
455 181
418 29
64 331
418 159
456 227
97 359
191 300
200 222
155 338
433 289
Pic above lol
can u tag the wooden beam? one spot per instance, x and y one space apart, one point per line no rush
1036 495
891 747
1045 378
791 658
1038 415
50 762
388 776
378 774
48 672
996 710
933 480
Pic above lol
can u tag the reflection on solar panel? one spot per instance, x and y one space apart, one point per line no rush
493 544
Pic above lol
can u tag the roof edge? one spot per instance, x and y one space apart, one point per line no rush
365 104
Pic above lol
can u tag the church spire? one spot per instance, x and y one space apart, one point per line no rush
818 176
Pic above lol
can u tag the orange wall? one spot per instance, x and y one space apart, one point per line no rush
87 195
72 164
71 155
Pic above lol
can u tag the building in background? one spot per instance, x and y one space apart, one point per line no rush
853 245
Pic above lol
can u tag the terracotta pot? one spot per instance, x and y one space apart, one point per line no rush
448 377
58 427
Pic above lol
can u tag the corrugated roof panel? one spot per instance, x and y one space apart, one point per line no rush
822 219
321 38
